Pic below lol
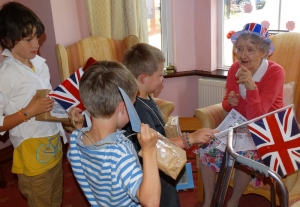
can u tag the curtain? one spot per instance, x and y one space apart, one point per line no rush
116 19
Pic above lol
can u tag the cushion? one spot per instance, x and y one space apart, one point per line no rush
288 93
89 62
297 204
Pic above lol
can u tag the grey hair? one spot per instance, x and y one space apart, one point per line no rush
263 45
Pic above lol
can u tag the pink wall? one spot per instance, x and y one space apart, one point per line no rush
195 40
195 36
185 95
206 35
70 22
184 35
186 91
194 43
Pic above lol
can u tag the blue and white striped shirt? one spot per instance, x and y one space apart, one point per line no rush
109 174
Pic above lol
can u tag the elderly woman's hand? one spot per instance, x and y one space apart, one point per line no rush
233 98
244 76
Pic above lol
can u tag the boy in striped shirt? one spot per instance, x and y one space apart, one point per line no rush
103 160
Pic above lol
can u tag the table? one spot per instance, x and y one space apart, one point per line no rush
189 124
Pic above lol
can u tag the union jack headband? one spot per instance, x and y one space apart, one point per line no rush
256 29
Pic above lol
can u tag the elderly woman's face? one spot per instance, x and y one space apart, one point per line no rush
248 54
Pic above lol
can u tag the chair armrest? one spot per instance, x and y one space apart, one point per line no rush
166 107
211 116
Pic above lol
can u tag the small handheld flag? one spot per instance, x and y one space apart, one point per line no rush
277 137
67 95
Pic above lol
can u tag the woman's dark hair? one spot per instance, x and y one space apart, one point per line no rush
16 23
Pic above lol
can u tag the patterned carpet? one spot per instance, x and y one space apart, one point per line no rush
73 197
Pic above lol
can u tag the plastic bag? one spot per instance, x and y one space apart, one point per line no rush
171 158
172 128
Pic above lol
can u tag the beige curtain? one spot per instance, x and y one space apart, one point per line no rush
117 19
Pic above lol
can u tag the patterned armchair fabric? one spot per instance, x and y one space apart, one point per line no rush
75 56
287 53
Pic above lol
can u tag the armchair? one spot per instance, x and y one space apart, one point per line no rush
287 53
75 56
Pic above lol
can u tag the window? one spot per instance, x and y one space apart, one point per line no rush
154 22
273 14
159 18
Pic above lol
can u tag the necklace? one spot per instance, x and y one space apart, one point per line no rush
103 143
153 111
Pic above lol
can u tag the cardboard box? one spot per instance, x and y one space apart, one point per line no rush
47 115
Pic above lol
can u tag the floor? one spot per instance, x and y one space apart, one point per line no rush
73 197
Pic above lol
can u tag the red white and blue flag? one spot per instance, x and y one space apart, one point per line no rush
277 137
67 94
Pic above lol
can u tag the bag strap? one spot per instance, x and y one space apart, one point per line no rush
151 110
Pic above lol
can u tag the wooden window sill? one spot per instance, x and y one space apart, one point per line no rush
218 73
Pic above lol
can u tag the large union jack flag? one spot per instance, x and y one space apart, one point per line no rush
67 94
277 137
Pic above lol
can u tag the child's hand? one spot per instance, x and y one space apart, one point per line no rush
68 127
202 136
76 117
147 138
233 98
38 105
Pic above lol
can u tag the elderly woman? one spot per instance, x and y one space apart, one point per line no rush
254 87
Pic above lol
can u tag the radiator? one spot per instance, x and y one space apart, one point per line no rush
210 91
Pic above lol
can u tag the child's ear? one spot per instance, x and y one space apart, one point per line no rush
122 107
7 44
141 78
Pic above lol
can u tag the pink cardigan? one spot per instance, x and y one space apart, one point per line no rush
268 96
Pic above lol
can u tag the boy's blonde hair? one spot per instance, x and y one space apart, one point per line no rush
143 58
99 91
